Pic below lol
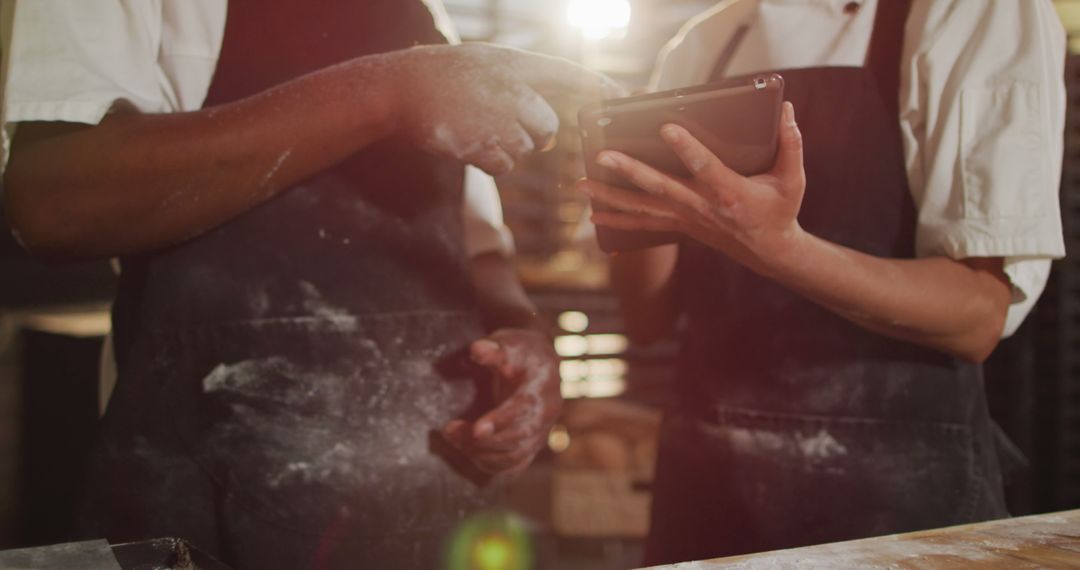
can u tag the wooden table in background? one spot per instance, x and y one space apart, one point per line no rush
1041 541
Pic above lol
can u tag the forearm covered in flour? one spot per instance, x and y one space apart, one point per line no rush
137 182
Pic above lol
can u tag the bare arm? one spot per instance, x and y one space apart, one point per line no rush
501 298
137 182
643 282
957 307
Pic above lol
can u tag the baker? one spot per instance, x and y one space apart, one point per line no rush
838 306
305 301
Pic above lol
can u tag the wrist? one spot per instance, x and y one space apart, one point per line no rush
380 79
786 255
523 318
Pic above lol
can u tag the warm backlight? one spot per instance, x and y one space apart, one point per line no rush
599 19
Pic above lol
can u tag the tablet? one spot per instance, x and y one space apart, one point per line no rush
736 119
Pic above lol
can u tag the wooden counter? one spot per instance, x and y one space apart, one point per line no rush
1041 541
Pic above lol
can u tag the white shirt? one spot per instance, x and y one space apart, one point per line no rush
982 112
72 60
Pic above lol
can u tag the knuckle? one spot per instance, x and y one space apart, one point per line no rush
548 132
656 186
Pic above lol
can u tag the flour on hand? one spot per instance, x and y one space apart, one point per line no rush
482 104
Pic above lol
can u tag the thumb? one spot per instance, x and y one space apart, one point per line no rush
789 157
454 431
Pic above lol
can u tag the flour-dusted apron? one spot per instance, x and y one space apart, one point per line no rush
795 426
282 376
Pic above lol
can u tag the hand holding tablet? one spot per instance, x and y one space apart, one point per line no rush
737 120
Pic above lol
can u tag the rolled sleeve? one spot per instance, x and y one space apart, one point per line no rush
73 60
485 231
983 117
1028 276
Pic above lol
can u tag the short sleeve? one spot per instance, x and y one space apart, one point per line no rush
688 58
983 114
191 38
72 60
485 231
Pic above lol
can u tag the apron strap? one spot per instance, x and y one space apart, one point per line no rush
732 48
887 47
882 58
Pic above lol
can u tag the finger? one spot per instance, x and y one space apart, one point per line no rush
507 439
455 432
516 142
650 179
505 459
627 200
789 158
623 221
496 463
537 117
535 421
547 73
699 159
520 354
523 409
493 356
492 159
488 353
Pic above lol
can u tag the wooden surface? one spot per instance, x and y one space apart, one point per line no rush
1041 541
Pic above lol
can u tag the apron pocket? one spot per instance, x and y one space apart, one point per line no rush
791 479
314 423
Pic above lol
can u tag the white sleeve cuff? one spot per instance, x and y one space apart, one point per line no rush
72 60
1028 276
1015 237
1027 255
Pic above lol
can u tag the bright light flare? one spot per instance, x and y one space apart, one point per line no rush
490 541
599 19
493 552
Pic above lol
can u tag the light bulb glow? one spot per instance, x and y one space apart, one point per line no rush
599 19
573 321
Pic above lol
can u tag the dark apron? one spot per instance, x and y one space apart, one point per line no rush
793 425
282 376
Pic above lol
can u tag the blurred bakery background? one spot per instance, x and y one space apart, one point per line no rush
585 502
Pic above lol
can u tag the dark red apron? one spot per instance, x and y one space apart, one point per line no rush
793 425
282 376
